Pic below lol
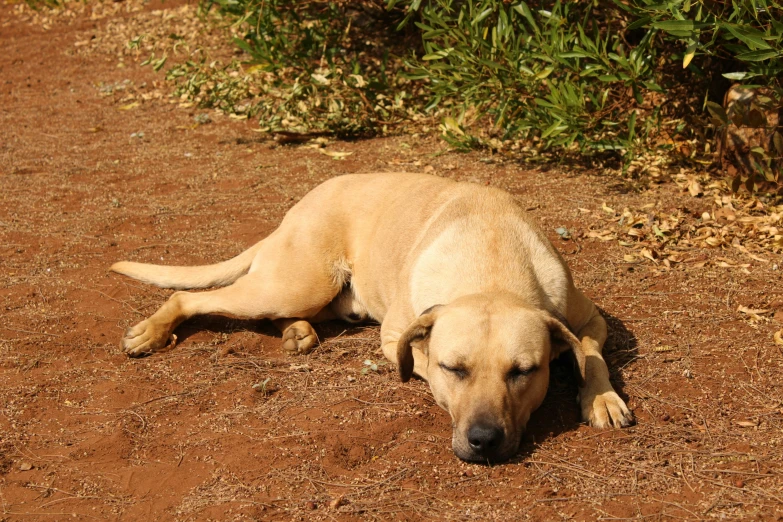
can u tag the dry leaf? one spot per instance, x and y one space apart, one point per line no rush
694 188
334 154
635 232
778 337
603 235
652 255
747 424
755 315
129 106
607 209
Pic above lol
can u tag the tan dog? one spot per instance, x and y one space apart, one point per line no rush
470 294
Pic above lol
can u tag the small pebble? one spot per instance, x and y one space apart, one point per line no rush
311 505
739 483
665 418
339 501
25 466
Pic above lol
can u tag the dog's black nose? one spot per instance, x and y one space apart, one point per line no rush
485 439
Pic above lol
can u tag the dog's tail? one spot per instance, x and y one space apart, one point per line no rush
189 277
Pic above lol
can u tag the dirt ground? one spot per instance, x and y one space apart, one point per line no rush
226 427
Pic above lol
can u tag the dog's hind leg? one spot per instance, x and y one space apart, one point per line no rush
285 286
299 337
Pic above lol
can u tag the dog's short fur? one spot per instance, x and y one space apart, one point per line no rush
470 294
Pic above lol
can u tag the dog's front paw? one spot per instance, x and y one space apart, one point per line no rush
299 338
145 338
605 410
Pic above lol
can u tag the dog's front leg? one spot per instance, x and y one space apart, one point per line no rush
601 406
392 328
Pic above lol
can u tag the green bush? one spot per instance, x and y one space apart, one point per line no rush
590 76
587 73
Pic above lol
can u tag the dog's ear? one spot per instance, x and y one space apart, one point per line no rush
417 333
563 340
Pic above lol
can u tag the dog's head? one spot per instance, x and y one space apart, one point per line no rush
488 366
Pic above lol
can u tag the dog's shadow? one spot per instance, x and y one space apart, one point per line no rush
560 411
217 324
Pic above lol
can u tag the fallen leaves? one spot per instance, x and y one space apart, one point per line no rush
661 236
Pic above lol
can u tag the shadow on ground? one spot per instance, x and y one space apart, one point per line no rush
560 412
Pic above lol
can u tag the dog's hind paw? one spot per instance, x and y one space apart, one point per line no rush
299 338
145 338
605 410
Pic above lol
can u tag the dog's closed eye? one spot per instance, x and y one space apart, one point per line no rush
517 371
457 371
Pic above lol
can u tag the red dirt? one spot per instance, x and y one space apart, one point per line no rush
87 433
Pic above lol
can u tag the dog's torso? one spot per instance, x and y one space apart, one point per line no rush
429 240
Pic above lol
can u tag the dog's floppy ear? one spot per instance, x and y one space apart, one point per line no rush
563 340
418 332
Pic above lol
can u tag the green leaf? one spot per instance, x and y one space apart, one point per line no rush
653 86
641 22
526 70
675 26
737 75
544 103
554 129
544 73
524 10
483 15
751 37
758 56
574 54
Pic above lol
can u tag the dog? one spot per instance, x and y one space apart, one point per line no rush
470 294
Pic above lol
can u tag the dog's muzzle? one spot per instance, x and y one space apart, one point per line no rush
485 442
